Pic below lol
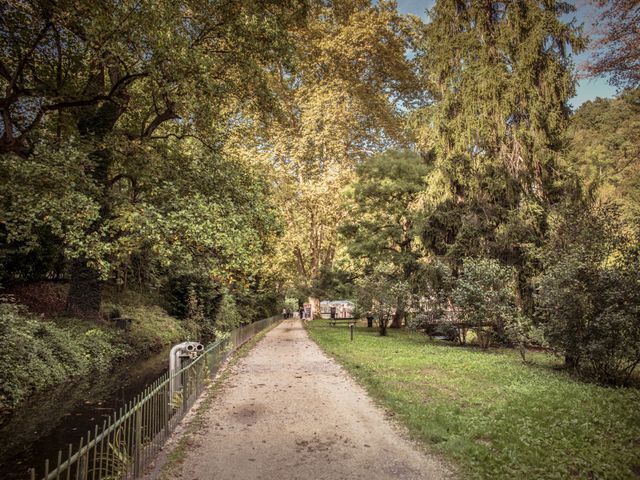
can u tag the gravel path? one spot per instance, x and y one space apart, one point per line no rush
290 412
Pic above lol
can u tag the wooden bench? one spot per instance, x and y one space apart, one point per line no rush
342 321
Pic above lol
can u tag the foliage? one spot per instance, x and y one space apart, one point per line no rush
36 354
493 415
333 283
605 149
432 284
484 297
112 127
520 332
383 226
340 101
589 300
616 53
183 291
499 74
180 65
228 316
292 304
383 297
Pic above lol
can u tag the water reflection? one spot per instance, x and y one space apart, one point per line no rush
50 420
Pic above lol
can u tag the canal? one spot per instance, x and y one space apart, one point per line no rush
51 420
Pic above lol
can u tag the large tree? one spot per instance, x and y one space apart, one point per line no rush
105 82
340 100
500 75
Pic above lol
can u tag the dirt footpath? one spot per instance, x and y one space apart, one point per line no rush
290 412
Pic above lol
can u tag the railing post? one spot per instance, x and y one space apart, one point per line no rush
138 443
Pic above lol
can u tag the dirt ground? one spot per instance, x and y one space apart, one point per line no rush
288 411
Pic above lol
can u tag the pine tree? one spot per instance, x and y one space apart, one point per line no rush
500 76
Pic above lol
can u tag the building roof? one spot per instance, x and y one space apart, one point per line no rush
337 302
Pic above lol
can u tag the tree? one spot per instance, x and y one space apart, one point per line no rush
109 84
588 300
382 228
341 100
605 149
484 297
382 295
615 50
384 194
499 74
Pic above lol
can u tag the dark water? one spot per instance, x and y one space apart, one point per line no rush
49 421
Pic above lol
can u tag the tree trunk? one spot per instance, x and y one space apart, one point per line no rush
382 323
397 319
571 362
85 291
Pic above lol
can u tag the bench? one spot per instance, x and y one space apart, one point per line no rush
342 321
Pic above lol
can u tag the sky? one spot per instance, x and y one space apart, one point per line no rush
586 90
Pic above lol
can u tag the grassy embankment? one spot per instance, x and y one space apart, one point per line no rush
490 414
38 352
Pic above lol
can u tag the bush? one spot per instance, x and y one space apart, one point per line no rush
485 297
589 295
382 297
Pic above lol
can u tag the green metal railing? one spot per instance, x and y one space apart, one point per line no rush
125 444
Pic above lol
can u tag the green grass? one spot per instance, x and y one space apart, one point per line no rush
490 414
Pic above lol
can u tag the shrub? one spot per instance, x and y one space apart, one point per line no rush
589 296
485 297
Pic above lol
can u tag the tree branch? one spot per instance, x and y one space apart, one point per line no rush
23 60
168 114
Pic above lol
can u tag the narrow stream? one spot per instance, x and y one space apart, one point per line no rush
49 421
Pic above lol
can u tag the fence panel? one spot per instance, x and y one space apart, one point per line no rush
125 444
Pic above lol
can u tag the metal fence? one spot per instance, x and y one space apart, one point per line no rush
125 444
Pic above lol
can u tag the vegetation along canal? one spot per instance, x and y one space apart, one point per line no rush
48 422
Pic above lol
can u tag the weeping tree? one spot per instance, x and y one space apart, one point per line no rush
500 76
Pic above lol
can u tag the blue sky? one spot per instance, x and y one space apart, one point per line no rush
587 89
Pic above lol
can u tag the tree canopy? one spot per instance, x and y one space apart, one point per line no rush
232 154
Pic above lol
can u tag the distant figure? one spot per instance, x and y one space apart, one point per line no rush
284 313
333 313
301 312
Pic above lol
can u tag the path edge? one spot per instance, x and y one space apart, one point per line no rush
174 451
453 471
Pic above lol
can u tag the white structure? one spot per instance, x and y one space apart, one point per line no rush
343 308
179 353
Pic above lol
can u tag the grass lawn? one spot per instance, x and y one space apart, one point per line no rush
492 415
